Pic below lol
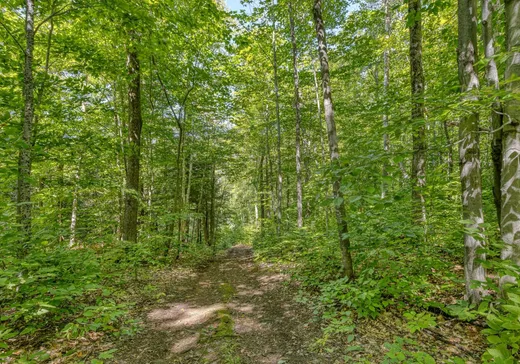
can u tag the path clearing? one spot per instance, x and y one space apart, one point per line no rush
233 311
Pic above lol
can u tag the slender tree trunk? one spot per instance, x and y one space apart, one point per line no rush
339 201
25 157
74 211
469 151
450 147
297 109
212 225
418 122
511 139
60 206
261 190
279 181
320 125
386 84
269 172
488 39
320 120
134 147
187 198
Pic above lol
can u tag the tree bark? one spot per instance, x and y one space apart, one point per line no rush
279 181
212 224
418 128
511 139
134 147
320 125
297 109
488 39
450 147
339 201
25 153
386 84
469 152
74 211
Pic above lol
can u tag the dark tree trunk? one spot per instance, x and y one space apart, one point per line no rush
134 148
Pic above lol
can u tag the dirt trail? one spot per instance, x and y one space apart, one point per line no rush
233 311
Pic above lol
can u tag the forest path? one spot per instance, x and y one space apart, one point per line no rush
232 311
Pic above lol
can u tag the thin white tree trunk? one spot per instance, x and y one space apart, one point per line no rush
297 109
339 200
25 157
279 181
386 84
74 211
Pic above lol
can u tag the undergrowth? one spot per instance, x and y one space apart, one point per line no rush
417 282
78 297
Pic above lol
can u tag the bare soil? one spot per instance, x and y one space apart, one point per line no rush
233 311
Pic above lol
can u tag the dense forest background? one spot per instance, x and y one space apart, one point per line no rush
370 146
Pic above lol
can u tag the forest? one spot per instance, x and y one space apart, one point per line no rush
259 181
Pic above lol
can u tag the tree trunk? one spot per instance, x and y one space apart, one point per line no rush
450 146
322 142
212 225
386 84
279 181
339 201
418 128
469 151
25 157
488 39
261 190
511 139
74 211
134 148
297 109
320 120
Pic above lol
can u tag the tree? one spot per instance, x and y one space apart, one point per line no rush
386 84
279 181
510 223
297 110
418 122
135 125
488 38
25 158
469 151
339 200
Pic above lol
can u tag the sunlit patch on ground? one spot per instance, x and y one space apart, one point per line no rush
183 315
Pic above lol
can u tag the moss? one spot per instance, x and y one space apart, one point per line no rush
227 291
225 325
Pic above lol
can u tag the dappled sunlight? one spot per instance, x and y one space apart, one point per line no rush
250 292
185 344
244 325
184 315
243 308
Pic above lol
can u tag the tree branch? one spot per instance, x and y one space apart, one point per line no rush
53 14
12 36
